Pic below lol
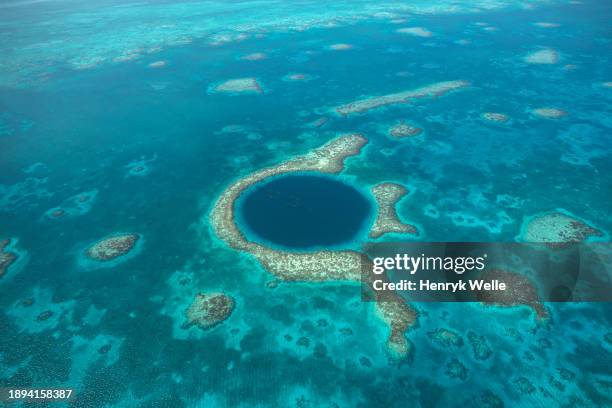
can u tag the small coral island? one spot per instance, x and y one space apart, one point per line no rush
111 248
209 309
7 258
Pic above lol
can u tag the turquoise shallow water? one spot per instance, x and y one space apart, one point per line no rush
81 111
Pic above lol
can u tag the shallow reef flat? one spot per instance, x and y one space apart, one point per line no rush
400 317
387 195
112 247
496 117
431 91
546 56
110 251
403 130
209 309
237 86
545 24
139 168
521 291
256 56
557 228
297 77
549 113
74 206
7 258
416 31
12 257
340 47
70 40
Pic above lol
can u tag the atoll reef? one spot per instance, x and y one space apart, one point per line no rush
237 86
432 91
209 309
557 228
108 249
316 266
387 221
7 258
402 130
520 290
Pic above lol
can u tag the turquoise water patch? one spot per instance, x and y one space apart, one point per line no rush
159 149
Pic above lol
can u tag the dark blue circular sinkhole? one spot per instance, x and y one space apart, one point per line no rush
303 211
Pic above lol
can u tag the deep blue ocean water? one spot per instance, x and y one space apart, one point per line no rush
73 119
304 211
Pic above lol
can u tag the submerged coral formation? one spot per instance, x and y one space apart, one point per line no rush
446 338
556 229
520 290
549 113
297 77
400 317
546 56
256 56
238 86
544 24
7 258
112 247
496 117
456 369
480 347
387 221
209 309
416 31
340 47
158 64
74 206
402 130
432 90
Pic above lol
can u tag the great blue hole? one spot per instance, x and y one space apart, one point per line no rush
303 211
